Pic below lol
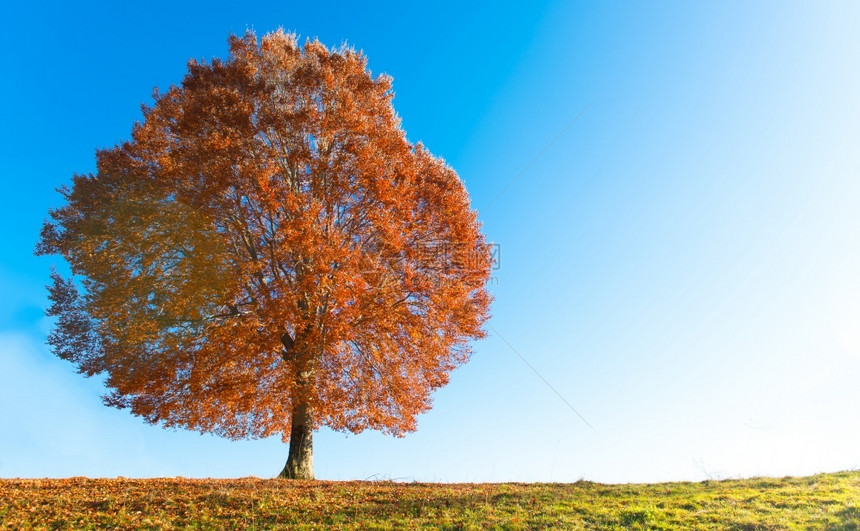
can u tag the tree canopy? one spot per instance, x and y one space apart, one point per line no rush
268 251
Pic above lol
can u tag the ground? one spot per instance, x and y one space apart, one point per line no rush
825 501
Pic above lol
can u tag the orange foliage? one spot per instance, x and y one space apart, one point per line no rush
269 237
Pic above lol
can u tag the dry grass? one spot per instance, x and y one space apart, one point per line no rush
826 501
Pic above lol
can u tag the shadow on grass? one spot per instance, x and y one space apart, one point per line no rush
850 519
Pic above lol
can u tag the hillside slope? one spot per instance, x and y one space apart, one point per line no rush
825 501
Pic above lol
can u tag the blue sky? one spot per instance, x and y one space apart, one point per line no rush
682 265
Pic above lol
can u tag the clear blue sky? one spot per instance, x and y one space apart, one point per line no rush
682 265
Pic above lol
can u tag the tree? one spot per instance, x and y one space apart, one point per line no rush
268 254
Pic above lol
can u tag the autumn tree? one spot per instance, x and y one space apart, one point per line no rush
269 254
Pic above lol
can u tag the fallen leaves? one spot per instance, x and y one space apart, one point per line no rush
830 501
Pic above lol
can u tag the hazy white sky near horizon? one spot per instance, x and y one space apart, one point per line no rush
682 265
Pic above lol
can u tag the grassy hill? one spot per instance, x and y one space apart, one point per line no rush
825 501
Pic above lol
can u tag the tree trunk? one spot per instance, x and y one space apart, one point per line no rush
300 463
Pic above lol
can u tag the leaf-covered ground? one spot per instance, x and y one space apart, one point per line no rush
826 501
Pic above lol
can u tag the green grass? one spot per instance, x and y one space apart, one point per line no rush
825 501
